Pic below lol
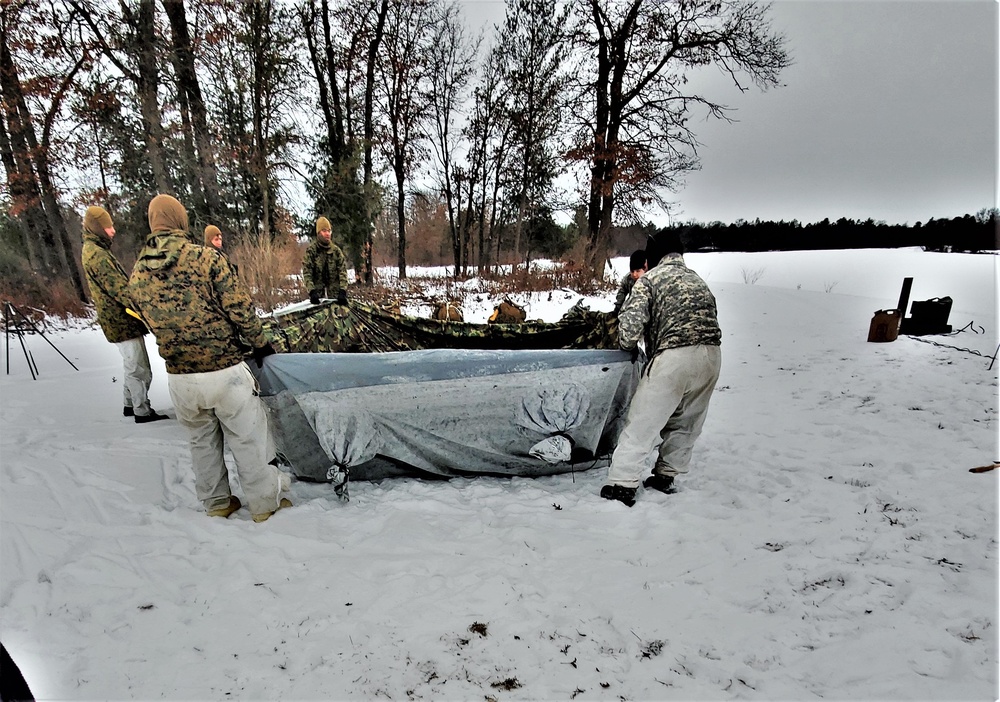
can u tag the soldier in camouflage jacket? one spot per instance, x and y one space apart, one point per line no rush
108 285
636 268
674 312
324 268
198 309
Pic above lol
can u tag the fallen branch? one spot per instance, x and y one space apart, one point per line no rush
985 469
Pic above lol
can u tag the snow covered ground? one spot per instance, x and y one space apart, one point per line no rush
829 541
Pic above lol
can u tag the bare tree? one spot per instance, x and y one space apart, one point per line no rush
129 42
343 45
489 134
634 58
189 95
452 66
403 91
532 67
252 89
27 160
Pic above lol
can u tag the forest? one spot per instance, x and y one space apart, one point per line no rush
423 141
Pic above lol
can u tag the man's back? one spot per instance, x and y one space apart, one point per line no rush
194 303
673 306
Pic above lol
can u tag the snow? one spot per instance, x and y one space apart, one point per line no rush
829 540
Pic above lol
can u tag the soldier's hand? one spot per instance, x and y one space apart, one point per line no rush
314 296
341 297
635 354
259 354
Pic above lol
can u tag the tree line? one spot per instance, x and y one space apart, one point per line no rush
243 109
967 233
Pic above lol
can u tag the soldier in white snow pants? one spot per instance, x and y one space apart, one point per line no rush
668 410
138 375
672 311
223 405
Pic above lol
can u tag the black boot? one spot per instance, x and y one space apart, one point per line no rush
151 417
625 495
127 412
663 483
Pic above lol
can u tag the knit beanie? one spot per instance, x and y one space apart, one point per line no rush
666 241
637 260
211 231
166 213
96 220
322 224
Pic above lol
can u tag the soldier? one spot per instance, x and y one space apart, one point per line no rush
324 269
109 289
198 309
673 309
213 237
636 267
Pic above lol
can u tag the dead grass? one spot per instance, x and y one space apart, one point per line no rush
271 271
37 300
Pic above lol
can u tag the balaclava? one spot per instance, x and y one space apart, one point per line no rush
211 231
96 220
166 213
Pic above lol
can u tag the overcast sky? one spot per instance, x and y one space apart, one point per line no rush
889 111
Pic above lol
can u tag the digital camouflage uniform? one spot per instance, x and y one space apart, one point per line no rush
673 309
198 309
108 285
324 268
624 290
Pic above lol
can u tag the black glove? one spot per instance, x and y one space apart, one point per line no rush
260 353
635 354
314 296
341 297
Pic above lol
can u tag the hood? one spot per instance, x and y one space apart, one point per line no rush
166 213
162 249
95 221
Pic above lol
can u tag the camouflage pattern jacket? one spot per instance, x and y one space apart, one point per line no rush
194 303
108 284
628 282
324 268
672 306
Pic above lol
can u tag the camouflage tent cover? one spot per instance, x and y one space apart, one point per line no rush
363 328
446 412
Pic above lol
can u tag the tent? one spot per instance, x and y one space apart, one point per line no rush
440 413
364 328
359 391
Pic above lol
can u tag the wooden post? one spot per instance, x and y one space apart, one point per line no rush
904 296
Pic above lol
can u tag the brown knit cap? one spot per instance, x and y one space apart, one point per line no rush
211 231
96 220
166 213
322 224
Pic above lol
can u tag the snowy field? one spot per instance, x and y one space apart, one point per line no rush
829 541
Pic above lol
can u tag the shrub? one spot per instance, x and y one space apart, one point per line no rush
271 270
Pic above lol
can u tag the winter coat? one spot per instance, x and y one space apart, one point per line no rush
672 306
324 268
628 282
194 303
108 285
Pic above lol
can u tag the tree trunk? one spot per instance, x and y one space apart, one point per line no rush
146 84
21 198
38 197
187 83
369 135
401 215
260 26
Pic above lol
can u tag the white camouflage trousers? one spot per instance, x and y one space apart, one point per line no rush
666 415
138 375
224 405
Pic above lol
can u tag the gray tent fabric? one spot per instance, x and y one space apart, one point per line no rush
444 413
